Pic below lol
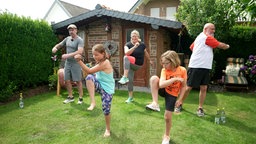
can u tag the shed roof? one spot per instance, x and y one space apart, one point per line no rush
101 11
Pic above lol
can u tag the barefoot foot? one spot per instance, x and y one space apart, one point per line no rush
107 133
91 107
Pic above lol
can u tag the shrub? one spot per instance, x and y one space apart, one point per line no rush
249 69
25 47
7 92
53 81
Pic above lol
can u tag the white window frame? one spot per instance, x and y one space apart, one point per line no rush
170 13
155 12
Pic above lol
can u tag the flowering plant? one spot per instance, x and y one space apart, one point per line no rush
250 68
54 58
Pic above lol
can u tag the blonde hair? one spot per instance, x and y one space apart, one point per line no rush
136 33
173 57
100 49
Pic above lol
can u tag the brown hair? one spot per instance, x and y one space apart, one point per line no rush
173 57
100 49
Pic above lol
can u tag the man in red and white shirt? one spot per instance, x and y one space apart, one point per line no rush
200 65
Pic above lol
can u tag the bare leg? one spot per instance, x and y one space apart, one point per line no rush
80 88
107 131
69 87
154 85
202 95
181 100
91 90
130 94
168 123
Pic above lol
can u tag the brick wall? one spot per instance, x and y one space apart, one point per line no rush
96 34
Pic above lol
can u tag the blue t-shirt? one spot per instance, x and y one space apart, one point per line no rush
138 53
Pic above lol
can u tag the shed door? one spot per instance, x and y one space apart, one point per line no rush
141 75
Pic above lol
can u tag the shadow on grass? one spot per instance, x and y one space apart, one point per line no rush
239 94
193 98
115 139
239 126
231 123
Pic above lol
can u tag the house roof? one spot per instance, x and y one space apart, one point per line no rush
101 11
73 9
137 4
70 9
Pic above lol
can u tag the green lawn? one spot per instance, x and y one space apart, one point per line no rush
46 120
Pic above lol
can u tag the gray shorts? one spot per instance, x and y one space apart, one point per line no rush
72 71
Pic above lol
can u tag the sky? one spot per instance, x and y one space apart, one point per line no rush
37 9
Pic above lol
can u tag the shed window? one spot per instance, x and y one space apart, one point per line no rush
155 12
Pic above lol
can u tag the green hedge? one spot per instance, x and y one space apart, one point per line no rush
25 53
242 44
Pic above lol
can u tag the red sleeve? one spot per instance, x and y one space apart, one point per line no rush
191 46
211 41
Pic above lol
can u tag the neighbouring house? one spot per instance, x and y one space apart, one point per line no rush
164 9
156 8
112 28
61 10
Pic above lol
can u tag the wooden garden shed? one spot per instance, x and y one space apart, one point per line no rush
112 28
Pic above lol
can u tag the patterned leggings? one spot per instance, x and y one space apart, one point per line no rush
106 98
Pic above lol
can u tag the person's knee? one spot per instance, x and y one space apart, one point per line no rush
188 89
167 117
61 71
89 77
61 77
154 78
67 81
203 88
79 83
106 111
106 114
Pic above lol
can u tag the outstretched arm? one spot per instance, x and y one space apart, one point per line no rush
223 46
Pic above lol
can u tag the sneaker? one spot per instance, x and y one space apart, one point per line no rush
123 80
154 107
166 140
200 112
80 101
178 109
68 100
129 100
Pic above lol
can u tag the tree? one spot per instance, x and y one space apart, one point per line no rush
195 13
248 9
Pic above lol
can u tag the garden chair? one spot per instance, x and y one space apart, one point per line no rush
233 76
